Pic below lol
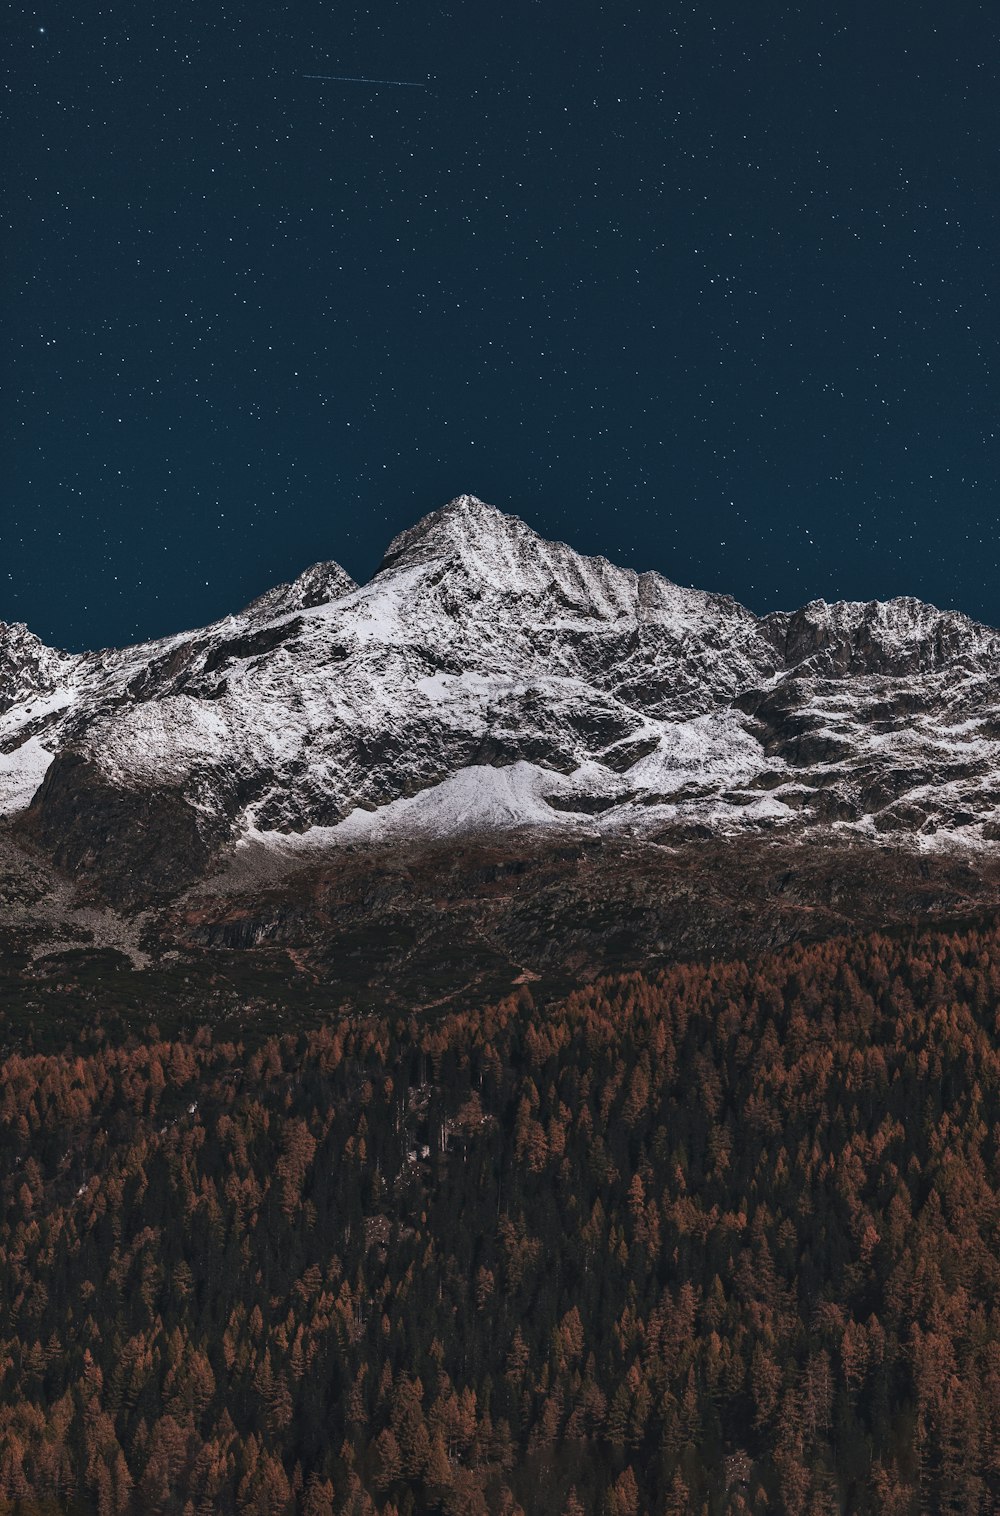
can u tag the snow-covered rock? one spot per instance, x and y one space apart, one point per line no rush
486 679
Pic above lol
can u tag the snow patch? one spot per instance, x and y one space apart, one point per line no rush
476 799
21 772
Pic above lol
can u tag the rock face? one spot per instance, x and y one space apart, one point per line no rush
28 669
484 680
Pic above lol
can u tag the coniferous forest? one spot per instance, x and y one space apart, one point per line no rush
724 1240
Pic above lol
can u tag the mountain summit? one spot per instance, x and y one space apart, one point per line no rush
486 679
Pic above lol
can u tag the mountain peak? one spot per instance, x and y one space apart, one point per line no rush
901 635
28 668
469 505
504 557
465 522
316 585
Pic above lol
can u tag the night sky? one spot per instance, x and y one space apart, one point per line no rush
707 288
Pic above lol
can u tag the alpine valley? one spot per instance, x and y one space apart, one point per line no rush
497 761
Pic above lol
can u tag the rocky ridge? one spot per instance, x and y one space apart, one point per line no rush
485 681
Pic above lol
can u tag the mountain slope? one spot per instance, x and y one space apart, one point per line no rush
484 680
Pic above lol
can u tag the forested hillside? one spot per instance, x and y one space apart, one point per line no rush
723 1241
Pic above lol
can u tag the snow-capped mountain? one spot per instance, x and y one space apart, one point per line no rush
486 679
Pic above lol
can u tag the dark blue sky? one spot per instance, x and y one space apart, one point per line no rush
710 288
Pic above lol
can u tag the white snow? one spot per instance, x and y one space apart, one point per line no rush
476 799
21 772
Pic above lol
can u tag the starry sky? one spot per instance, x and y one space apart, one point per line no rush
709 288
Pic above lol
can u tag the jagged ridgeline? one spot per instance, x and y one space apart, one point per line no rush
486 680
722 1241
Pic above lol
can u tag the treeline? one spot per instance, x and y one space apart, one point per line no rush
727 1241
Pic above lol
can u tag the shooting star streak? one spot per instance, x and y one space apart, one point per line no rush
353 79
